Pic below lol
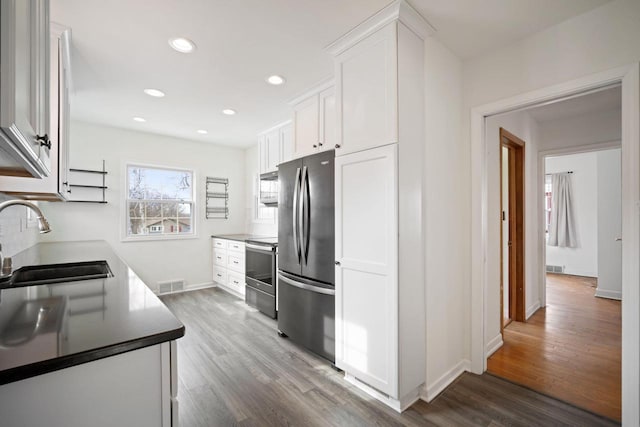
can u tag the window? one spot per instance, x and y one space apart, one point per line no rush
160 202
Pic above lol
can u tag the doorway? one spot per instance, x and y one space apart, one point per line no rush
512 244
568 341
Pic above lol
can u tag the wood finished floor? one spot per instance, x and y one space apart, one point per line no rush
235 370
570 350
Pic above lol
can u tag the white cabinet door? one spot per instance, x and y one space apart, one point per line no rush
24 86
327 104
286 143
263 149
305 127
53 187
367 93
273 150
367 267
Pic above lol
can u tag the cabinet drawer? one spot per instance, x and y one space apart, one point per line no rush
236 246
220 275
220 258
235 281
219 244
235 263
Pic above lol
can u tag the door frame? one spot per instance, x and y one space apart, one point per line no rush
542 155
629 76
516 147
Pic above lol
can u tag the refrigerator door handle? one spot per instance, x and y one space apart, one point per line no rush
316 289
295 218
306 220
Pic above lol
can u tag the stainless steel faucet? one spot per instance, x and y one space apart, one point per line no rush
43 225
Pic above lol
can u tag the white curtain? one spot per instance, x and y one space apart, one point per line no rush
562 229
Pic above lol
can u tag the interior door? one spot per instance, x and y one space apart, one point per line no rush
289 177
318 224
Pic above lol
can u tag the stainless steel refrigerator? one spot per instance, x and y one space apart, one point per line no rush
306 264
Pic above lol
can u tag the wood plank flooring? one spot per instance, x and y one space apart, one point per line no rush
570 350
235 370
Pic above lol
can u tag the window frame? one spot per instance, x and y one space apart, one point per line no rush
124 210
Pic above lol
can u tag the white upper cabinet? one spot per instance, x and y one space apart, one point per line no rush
367 102
55 186
327 123
24 88
306 119
314 120
275 147
286 142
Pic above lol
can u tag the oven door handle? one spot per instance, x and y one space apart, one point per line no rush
268 249
316 289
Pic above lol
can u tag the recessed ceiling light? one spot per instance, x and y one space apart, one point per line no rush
154 92
182 45
139 119
202 132
228 111
275 80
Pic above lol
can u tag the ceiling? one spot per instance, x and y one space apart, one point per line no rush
598 102
120 48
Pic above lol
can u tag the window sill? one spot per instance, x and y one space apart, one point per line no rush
147 238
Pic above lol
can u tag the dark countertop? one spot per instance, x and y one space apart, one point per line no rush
44 328
239 237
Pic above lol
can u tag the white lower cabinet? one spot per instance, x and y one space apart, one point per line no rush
229 265
137 388
367 273
380 329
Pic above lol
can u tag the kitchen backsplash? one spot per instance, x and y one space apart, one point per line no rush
16 232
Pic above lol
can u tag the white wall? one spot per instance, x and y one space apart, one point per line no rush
15 233
602 39
523 126
446 222
585 129
582 260
153 261
252 168
609 224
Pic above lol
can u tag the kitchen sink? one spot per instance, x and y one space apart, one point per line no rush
56 273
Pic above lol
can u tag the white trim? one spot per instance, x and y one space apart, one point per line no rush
630 246
493 345
630 78
532 309
311 91
397 405
431 391
276 127
604 293
399 10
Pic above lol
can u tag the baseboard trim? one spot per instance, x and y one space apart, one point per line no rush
431 391
188 288
603 293
532 309
395 404
493 345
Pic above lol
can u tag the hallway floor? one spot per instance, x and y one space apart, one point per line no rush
570 350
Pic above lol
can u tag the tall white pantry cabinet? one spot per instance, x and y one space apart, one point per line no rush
380 291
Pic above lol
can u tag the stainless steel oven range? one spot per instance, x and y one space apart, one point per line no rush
261 273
